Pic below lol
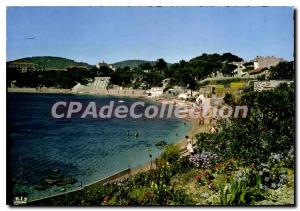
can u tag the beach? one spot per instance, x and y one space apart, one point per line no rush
119 176
126 92
195 128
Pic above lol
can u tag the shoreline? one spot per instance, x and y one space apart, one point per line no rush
135 93
195 129
119 176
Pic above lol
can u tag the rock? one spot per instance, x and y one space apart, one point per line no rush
51 181
66 181
55 170
161 144
62 189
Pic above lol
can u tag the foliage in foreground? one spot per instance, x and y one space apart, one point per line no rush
268 128
154 187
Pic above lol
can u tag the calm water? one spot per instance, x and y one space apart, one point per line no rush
44 149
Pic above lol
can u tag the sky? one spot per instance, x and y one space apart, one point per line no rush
111 34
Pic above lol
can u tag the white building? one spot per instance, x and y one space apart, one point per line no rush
268 85
155 92
103 64
98 84
238 72
175 90
260 68
266 62
183 96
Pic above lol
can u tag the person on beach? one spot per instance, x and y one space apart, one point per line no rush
213 122
201 118
213 130
189 146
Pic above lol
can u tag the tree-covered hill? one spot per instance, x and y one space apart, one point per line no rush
51 62
145 75
131 63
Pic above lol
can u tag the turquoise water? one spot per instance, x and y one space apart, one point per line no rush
83 150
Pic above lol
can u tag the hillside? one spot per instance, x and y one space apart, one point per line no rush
53 62
130 63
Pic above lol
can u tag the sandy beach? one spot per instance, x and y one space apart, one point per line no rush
126 92
195 129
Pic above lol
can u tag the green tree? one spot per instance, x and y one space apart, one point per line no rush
228 69
122 76
284 70
161 64
103 71
229 57
145 66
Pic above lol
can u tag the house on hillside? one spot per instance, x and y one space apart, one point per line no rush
239 70
23 67
266 62
259 72
104 64
246 70
262 64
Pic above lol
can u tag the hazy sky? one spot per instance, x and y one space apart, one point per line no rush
92 34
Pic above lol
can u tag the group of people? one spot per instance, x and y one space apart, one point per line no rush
212 121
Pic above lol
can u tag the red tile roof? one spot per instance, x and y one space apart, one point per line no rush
256 71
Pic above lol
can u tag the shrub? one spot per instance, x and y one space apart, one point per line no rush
171 153
204 160
229 99
272 174
268 128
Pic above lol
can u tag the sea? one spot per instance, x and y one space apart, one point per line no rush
49 156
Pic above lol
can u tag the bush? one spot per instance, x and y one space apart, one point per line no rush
204 160
229 99
268 128
171 153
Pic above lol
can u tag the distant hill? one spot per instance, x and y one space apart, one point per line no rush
49 62
130 63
